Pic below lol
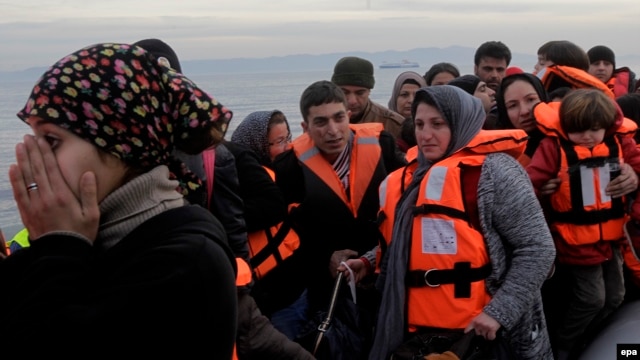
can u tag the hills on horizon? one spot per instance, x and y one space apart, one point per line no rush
460 56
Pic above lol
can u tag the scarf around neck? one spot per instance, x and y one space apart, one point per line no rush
134 203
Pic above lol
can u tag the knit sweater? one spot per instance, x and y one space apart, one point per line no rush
521 251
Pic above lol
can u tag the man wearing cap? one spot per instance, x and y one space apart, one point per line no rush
602 64
354 76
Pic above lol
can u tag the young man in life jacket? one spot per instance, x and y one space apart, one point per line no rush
602 64
587 141
333 171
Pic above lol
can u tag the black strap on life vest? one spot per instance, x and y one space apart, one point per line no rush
273 243
461 276
578 214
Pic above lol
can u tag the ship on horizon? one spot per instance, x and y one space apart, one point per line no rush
395 65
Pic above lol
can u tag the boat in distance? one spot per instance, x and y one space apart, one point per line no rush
396 65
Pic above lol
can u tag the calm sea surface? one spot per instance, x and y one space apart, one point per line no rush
242 93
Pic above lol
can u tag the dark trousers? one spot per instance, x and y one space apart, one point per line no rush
596 291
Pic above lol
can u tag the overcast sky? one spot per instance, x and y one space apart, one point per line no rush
39 32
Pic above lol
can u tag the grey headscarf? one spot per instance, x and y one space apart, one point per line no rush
401 80
465 115
252 132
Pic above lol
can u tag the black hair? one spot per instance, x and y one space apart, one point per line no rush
503 121
566 53
438 68
318 93
492 49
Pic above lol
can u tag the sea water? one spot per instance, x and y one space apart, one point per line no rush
242 93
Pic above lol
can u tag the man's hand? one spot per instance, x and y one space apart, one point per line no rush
357 266
337 257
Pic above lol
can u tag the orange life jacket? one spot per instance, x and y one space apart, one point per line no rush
244 273
270 247
457 249
412 154
574 78
243 278
365 156
581 213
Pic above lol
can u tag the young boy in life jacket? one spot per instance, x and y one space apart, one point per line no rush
587 142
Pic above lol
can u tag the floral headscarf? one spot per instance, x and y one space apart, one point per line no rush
117 97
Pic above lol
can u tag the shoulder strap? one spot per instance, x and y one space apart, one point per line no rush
209 160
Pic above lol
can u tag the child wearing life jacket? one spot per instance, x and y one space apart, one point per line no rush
588 141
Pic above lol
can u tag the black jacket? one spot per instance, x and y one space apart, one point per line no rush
324 223
166 288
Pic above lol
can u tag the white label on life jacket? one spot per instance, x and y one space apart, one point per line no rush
438 237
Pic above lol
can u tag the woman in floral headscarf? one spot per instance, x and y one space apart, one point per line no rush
119 261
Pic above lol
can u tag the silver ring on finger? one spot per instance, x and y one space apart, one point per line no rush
31 187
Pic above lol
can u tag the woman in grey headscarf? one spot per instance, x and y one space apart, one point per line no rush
404 89
508 251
